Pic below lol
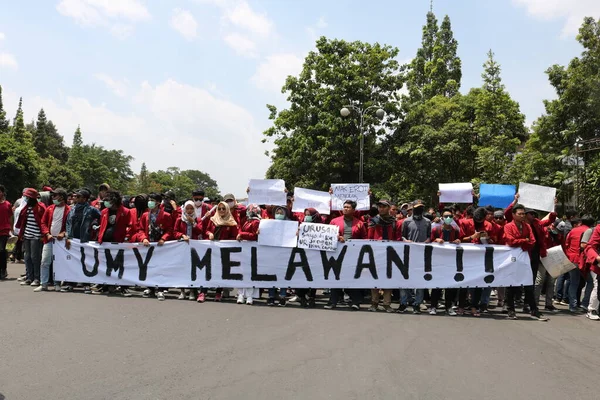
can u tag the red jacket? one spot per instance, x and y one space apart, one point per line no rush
573 244
592 250
175 215
227 232
47 221
375 230
38 213
468 229
514 238
181 229
163 220
5 216
250 230
122 225
359 230
436 233
135 226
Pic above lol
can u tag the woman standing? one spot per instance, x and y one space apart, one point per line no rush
311 216
249 232
187 227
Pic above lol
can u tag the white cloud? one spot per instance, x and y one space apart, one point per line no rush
242 16
272 73
105 13
119 88
571 11
8 61
184 22
241 44
318 26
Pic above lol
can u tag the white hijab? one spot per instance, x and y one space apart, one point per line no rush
184 215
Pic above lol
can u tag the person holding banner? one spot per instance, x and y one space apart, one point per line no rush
307 296
187 227
140 206
350 227
280 213
249 232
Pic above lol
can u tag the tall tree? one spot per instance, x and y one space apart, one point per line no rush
419 73
55 143
3 121
75 154
19 132
446 70
39 137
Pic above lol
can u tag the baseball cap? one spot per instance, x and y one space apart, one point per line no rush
418 203
46 189
60 192
31 193
83 193
228 197
385 203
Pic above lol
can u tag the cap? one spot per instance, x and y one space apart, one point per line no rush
385 203
60 192
530 211
498 214
404 205
83 193
228 197
103 186
46 189
32 193
418 203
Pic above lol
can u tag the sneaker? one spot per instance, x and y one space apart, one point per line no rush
551 309
373 308
355 307
593 315
57 288
66 289
432 311
147 293
35 283
270 301
556 302
218 297
191 296
41 288
401 308
526 310
511 315
538 316
484 309
201 298
451 312
182 296
388 309
294 299
100 289
563 303
160 296
21 279
416 309
249 301
26 283
124 292
282 302
329 306
574 310
240 299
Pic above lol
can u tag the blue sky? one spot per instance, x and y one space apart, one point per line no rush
185 82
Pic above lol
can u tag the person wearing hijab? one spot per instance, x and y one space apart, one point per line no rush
249 232
221 226
281 214
307 296
188 226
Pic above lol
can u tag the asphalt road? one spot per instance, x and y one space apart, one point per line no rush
77 346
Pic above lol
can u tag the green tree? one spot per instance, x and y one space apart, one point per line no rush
39 137
314 145
18 165
202 180
76 151
3 121
56 173
19 132
55 143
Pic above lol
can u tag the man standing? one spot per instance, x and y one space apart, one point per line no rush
54 225
102 189
519 234
5 228
592 258
414 229
350 227
30 231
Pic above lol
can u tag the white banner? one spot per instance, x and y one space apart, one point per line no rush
307 198
278 233
318 236
556 262
536 196
267 191
456 192
355 264
358 192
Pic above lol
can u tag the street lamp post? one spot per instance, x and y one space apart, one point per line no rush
344 112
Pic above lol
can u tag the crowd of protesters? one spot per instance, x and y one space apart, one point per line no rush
35 221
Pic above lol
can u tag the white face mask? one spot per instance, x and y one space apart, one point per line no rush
198 203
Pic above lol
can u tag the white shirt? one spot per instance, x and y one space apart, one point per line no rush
57 219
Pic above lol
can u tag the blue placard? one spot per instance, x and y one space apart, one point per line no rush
499 196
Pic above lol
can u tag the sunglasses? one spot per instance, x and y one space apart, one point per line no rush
498 217
221 209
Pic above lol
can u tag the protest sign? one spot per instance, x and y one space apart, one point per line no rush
499 196
358 192
267 191
306 198
233 264
318 236
278 233
556 262
536 196
456 192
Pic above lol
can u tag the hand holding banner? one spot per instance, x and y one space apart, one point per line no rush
278 233
306 198
318 236
499 196
267 191
456 193
536 196
358 192
556 262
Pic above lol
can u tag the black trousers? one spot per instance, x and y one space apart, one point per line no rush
355 295
303 292
436 294
512 291
3 256
475 298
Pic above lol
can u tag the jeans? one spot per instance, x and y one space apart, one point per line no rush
587 294
355 296
485 296
594 297
32 248
414 295
561 282
3 256
273 292
574 276
544 279
46 263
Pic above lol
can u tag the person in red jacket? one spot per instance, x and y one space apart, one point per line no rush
29 224
249 232
573 252
187 227
156 226
382 227
102 189
140 206
519 234
307 296
221 226
591 256
53 226
5 231
349 227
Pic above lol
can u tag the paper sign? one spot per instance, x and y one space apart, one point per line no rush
318 236
306 198
277 233
456 193
557 263
358 192
267 191
537 197
498 196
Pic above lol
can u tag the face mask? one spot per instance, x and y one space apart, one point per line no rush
107 204
56 202
230 204
308 218
448 220
279 216
131 205
198 203
151 204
